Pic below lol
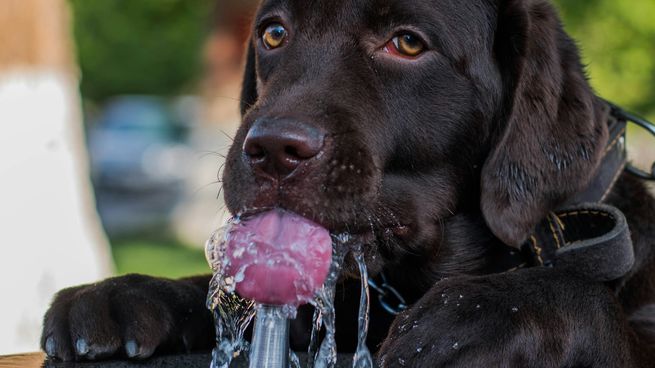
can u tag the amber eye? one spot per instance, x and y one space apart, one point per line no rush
407 45
274 36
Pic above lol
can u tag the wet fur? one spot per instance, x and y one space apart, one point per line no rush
442 163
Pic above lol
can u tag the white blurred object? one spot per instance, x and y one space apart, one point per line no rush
50 234
51 237
202 210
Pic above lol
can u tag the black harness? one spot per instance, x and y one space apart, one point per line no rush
586 236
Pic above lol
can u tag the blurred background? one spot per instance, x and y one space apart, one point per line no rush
115 116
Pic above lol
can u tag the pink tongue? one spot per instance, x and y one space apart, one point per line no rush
278 258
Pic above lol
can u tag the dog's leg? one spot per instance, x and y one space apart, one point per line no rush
530 318
129 316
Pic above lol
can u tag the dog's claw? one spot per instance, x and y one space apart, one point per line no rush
50 347
81 347
132 349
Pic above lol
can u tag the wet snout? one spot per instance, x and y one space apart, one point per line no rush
277 148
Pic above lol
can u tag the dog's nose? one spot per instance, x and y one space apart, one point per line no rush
278 146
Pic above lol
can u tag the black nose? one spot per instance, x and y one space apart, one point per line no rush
278 146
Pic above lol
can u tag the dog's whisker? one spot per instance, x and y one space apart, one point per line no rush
231 98
203 187
219 172
442 226
226 135
204 154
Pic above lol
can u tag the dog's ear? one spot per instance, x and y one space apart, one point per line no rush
552 130
249 85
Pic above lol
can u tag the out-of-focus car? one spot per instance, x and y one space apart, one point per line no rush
138 162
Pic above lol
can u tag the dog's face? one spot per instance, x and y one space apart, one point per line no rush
383 118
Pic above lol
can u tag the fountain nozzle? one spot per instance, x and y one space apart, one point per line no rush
270 342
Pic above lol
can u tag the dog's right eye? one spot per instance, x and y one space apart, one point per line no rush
274 36
405 45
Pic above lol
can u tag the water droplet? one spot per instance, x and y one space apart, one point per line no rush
401 361
456 345
238 253
515 309
418 350
461 296
240 276
477 306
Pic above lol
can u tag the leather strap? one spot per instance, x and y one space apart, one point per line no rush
590 239
611 167
587 237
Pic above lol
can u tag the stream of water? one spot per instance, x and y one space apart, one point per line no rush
326 356
317 322
362 358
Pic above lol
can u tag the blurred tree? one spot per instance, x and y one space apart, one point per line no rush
618 43
139 47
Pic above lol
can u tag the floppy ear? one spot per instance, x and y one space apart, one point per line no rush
249 85
552 132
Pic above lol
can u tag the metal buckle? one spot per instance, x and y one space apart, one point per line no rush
385 291
621 114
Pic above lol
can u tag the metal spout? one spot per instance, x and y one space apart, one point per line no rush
270 342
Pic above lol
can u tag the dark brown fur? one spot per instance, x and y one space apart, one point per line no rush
442 161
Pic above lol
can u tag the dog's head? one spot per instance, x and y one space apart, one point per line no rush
391 118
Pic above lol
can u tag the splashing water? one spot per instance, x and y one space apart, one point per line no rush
232 314
294 361
362 358
317 322
324 302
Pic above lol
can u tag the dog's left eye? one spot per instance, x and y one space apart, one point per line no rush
274 36
405 45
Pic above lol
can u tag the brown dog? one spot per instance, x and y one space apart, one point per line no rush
439 133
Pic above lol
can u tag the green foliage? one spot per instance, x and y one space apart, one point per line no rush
139 46
158 258
618 43
154 46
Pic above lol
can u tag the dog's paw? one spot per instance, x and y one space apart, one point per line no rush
130 316
532 318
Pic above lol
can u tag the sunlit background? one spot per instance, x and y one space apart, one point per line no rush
115 116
